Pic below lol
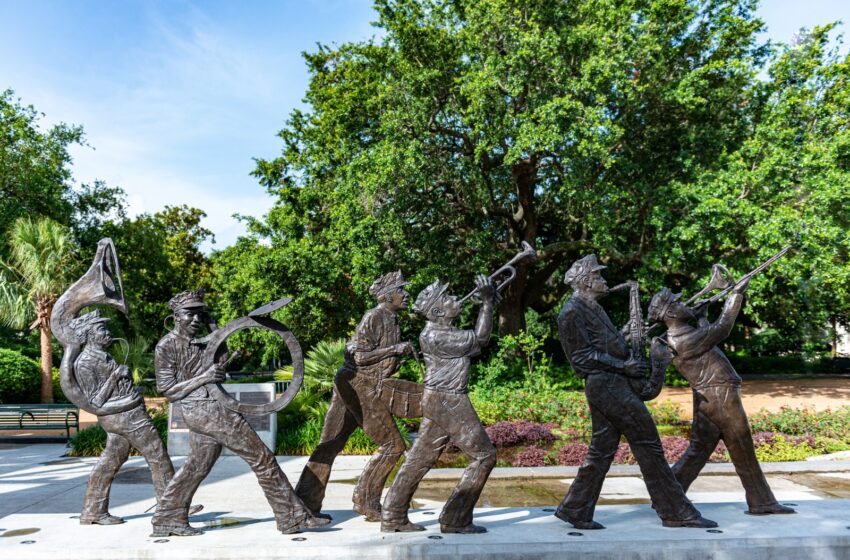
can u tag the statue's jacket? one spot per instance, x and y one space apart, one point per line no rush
591 342
93 368
698 358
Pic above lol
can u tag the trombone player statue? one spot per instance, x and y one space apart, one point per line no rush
599 354
718 412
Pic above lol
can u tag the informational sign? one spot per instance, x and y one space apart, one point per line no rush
265 425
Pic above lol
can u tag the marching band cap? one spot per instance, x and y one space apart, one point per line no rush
581 267
187 300
388 281
428 297
659 304
83 323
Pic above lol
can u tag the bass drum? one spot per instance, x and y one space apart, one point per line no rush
402 397
216 349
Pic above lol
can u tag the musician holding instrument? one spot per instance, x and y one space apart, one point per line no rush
371 359
718 411
182 377
447 412
104 381
599 354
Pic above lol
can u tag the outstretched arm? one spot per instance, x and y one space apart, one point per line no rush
484 324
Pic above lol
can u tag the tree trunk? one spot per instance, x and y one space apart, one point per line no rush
46 365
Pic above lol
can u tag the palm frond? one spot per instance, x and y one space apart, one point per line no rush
16 311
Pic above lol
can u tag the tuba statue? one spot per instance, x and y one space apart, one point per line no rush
100 285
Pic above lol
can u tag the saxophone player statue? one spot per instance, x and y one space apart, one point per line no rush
599 354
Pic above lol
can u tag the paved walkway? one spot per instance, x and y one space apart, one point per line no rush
41 493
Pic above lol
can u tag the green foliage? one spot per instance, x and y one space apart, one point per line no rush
804 421
302 438
784 450
546 405
58 396
666 412
88 442
160 256
20 378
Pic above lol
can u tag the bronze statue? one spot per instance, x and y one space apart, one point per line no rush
718 411
92 380
599 353
102 381
363 396
447 412
184 374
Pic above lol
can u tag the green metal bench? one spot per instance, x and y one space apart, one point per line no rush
39 417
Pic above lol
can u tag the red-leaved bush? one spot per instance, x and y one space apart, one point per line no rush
531 456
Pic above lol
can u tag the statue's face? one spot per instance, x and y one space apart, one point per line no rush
679 310
397 299
100 335
594 283
189 320
447 307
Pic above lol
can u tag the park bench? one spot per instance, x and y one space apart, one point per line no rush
39 417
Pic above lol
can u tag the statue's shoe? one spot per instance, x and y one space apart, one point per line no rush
175 531
195 509
102 519
308 522
578 523
698 522
373 514
400 526
470 529
770 509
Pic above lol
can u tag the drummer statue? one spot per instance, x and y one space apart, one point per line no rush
181 377
359 399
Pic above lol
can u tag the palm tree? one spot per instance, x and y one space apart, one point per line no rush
41 266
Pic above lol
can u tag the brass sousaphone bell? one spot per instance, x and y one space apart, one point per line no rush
100 285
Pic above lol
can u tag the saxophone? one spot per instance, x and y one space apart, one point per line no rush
647 388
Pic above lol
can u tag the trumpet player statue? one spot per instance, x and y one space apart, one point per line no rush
600 355
447 413
718 412
103 381
180 377
371 358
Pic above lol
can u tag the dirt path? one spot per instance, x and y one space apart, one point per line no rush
773 394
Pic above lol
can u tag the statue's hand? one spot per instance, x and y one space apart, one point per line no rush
636 368
216 373
485 287
742 287
403 348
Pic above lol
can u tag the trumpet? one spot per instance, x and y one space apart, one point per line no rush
508 270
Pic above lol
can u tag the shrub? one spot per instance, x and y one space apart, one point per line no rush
667 412
302 439
775 447
20 378
547 405
572 454
506 434
804 421
531 456
531 432
58 395
503 434
674 447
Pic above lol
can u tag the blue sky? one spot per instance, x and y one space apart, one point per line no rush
177 97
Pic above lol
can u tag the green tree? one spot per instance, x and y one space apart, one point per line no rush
160 256
36 177
41 267
471 126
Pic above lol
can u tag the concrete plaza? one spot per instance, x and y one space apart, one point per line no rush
41 493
